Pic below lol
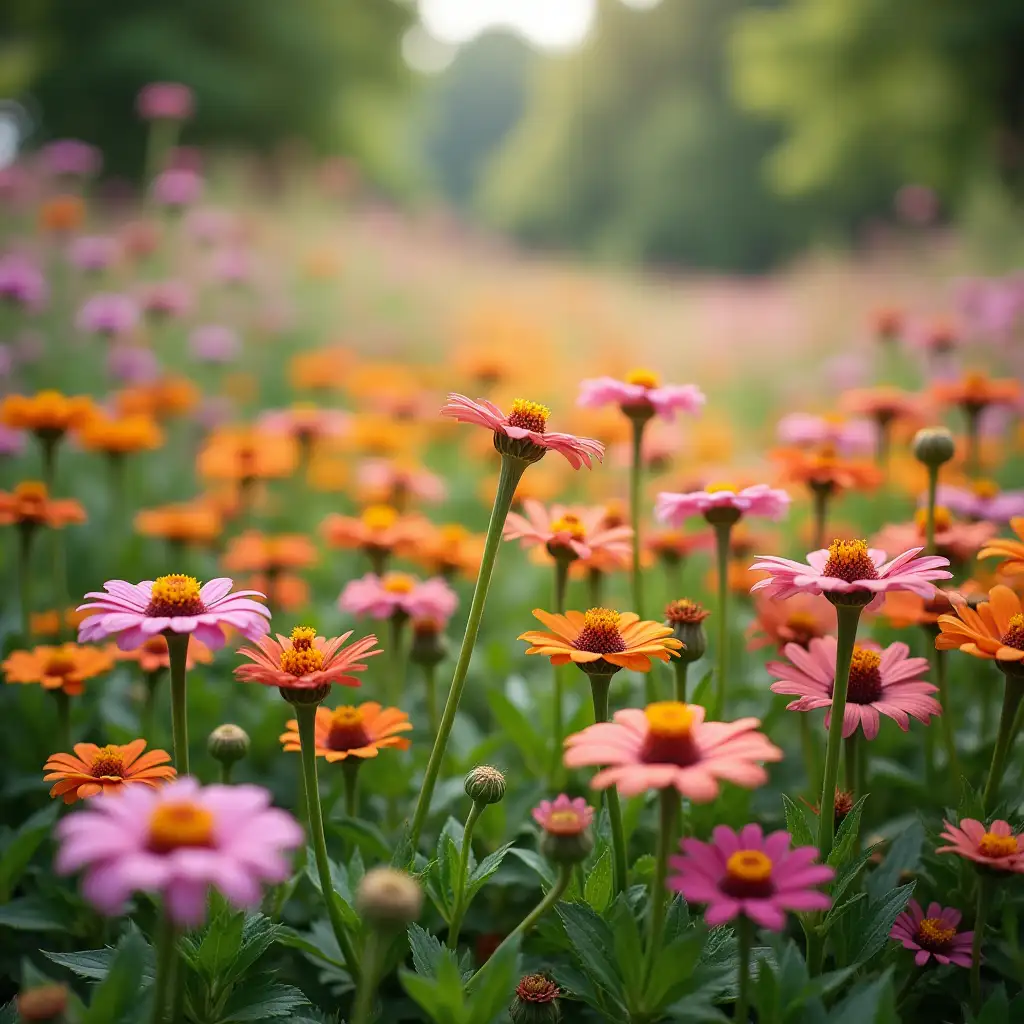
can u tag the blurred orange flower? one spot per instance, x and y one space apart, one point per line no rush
195 523
153 656
824 469
253 551
48 414
797 620
884 404
240 454
168 397
62 214
58 668
50 623
976 391
445 550
120 436
321 369
378 531
30 505
1006 547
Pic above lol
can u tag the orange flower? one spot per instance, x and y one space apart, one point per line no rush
48 414
257 552
1006 547
120 436
602 639
976 391
153 656
956 541
883 404
30 505
320 370
285 591
168 397
58 668
63 213
92 771
673 546
993 630
195 523
373 434
902 608
378 531
826 470
243 455
349 731
445 550
49 623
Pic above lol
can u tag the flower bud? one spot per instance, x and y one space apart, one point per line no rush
567 837
485 785
389 898
933 446
429 643
45 1003
686 618
536 1001
228 744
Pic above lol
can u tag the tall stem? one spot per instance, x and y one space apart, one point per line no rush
26 535
599 686
681 669
929 521
177 650
511 471
305 715
430 687
393 685
848 617
972 460
746 941
851 751
940 661
668 805
635 474
980 918
63 719
820 494
362 1012
595 587
166 962
350 775
723 531
1012 693
460 882
557 709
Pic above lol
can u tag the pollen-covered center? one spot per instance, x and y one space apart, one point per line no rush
685 610
1014 635
644 378
748 875
865 676
347 731
935 935
600 633
108 762
180 823
669 737
303 657
571 524
849 560
59 663
175 595
398 583
943 519
567 822
379 517
991 845
529 415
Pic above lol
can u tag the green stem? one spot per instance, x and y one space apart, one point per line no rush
63 719
745 931
166 961
972 461
226 767
362 1012
512 470
669 805
306 717
460 881
980 918
849 618
635 474
26 535
808 744
395 681
177 650
1012 693
929 521
149 705
820 495
557 710
599 686
59 567
430 681
882 450
940 662
850 743
681 669
350 774
723 532
595 587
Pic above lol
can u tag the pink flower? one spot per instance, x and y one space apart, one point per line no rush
670 744
749 873
165 101
996 847
881 682
93 253
305 661
109 314
391 481
641 390
167 299
849 437
564 816
526 428
214 343
759 500
933 934
134 612
578 531
850 567
306 422
177 187
22 283
231 265
72 158
958 541
133 364
178 841
996 506
380 597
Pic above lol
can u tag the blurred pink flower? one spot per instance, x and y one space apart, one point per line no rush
166 299
564 816
758 500
12 442
380 597
71 158
232 265
214 343
22 283
984 502
108 313
641 390
849 437
165 101
995 847
177 187
209 224
133 364
381 480
93 253
560 528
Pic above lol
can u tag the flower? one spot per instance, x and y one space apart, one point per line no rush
601 640
673 546
825 470
982 500
29 504
1005 547
133 612
244 454
94 253
523 433
395 482
881 682
196 523
568 533
95 771
132 364
933 934
848 571
904 609
976 391
669 744
394 593
957 541
797 620
48 414
165 101
62 214
214 343
305 661
179 841
120 435
22 283
995 846
883 404
848 437
446 550
177 187
71 157
58 668
567 837
153 655
993 630
378 531
348 731
759 500
305 422
641 392
749 873
109 314
253 551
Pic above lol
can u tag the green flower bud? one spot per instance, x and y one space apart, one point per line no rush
933 446
686 618
228 744
429 644
485 785
536 1001
389 898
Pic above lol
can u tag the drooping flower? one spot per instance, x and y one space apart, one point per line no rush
58 668
933 934
347 731
797 620
380 597
94 771
669 744
992 630
1006 547
994 846
178 841
752 874
758 500
641 391
568 532
133 612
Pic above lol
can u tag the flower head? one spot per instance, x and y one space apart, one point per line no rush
749 873
121 435
178 841
177 187
29 504
976 391
883 404
305 661
379 530
94 253
641 392
825 470
165 101
397 482
58 668
380 597
797 620
245 455
846 436
568 532
992 630
1005 547
253 551
759 500
22 283
195 524
567 837
109 314
48 414
957 541
94 771
933 934
349 731
982 500
996 846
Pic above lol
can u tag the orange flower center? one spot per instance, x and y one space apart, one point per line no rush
803 626
685 610
180 823
669 737
302 658
567 822
59 663
398 583
849 560
570 524
379 517
529 415
934 934
31 490
748 873
995 846
865 676
645 378
600 633
943 519
347 731
175 595
453 533
108 762
986 489
1014 635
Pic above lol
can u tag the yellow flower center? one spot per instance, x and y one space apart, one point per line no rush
804 627
453 533
529 415
669 719
865 676
943 519
995 846
175 595
749 867
849 560
570 524
59 663
721 485
302 638
302 658
398 583
986 489
180 823
379 517
645 378
975 386
1014 635
347 731
564 823
934 934
600 633
108 761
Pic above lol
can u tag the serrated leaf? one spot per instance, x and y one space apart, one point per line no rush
220 944
628 948
428 952
305 944
484 870
836 912
869 1003
598 888
33 914
844 846
356 870
904 855
259 933
796 823
95 964
593 944
262 1000
119 989
875 920
536 862
671 974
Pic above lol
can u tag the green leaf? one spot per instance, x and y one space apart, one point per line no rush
821 986
296 940
847 874
672 972
33 914
356 870
262 999
702 690
19 847
518 728
593 944
494 986
904 855
836 911
119 989
258 935
598 888
484 870
628 948
869 1003
677 919
339 879
844 846
95 964
797 824
534 860
428 952
443 998
366 836
219 945
873 920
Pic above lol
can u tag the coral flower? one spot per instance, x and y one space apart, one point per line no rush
245 455
396 482
568 532
93 770
58 668
48 414
62 214
447 550
904 609
133 612
881 683
996 846
933 934
196 524
165 101
1005 547
759 500
977 391
378 531
564 815
641 392
849 570
253 551
523 433
957 541
669 744
798 620
179 841
306 423
674 546
602 640
848 437
827 471
30 505
398 593
305 661
992 630
121 436
749 873
348 731
153 655
883 404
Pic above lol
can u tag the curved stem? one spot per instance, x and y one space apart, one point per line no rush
350 775
635 474
166 961
669 805
511 471
681 669
1012 693
226 768
460 882
362 1012
746 939
599 686
26 535
177 650
306 717
980 918
940 661
723 532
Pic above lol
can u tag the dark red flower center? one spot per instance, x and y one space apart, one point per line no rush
529 415
865 676
347 731
1014 635
748 875
600 633
935 935
173 596
849 560
537 988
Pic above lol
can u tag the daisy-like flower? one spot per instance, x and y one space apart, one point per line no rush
568 532
994 846
992 630
305 422
976 391
881 683
883 404
133 612
674 546
396 482
92 770
601 640
446 550
1006 547
108 314
957 541
669 744
564 816
244 455
718 499
30 505
398 593
305 661
178 841
253 551
798 620
193 524
825 470
641 393
848 437
752 874
123 435
933 934
358 732
982 500
523 434
904 609
848 572
378 531
63 668
48 414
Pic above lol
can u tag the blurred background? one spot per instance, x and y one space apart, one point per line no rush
723 135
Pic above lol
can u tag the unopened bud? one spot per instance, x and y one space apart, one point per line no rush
485 785
933 446
686 618
388 897
228 744
536 1001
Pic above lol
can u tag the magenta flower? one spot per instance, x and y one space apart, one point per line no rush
214 343
849 567
133 364
12 442
881 682
71 158
933 934
165 101
759 500
527 422
564 816
231 265
641 391
134 612
849 437
380 597
22 283
209 224
177 187
986 502
108 314
93 253
750 873
178 841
